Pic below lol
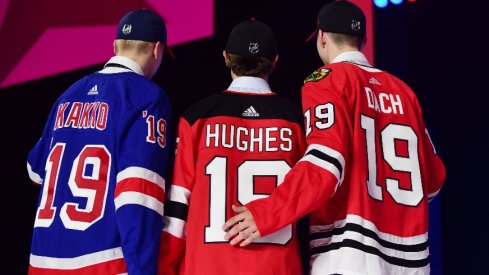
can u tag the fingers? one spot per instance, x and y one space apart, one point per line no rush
233 222
237 239
253 236
236 219
247 236
241 228
238 227
244 234
238 209
244 237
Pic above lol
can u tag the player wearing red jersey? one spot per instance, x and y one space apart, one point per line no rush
369 170
234 147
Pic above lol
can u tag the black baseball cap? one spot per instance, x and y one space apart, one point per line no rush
341 17
252 38
144 25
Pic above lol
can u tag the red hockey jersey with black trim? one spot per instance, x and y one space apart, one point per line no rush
232 148
367 175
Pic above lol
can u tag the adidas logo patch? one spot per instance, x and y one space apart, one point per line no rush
374 81
251 112
93 91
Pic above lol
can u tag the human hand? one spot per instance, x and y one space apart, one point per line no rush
241 228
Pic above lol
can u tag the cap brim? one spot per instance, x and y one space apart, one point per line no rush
313 35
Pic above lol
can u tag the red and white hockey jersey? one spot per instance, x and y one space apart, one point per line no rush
233 147
367 175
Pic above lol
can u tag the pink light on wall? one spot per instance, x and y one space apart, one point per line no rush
41 39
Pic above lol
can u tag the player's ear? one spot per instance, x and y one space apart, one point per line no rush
322 37
158 50
115 46
226 58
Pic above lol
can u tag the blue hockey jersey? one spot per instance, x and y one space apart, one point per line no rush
101 163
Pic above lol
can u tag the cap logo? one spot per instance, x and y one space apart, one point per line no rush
355 25
254 47
126 29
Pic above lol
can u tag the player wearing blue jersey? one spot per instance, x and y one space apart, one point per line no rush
101 163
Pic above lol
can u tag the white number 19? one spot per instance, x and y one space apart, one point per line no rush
217 170
409 164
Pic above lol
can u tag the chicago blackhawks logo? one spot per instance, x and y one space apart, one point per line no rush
317 75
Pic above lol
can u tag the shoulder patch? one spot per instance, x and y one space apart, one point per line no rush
318 75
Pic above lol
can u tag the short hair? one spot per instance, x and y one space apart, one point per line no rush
250 66
138 46
342 40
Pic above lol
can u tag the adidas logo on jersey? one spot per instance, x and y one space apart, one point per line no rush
374 81
93 91
250 112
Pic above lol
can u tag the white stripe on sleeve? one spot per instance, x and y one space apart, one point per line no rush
129 197
143 173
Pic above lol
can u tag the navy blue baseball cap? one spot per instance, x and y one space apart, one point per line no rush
144 25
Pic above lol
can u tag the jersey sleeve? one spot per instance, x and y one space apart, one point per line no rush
172 247
431 161
36 159
142 152
319 173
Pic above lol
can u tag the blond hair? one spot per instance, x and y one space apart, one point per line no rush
137 46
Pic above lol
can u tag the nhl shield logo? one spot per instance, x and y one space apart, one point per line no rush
126 29
355 25
254 47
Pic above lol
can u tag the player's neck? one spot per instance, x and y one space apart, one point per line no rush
234 76
335 51
142 60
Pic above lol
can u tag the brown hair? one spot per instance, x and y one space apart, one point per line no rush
140 47
347 40
250 66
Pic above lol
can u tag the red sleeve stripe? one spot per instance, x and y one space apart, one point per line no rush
33 176
139 185
143 173
109 261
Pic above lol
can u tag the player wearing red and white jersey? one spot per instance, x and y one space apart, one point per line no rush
233 147
369 170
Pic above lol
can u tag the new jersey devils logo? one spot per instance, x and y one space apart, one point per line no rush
254 48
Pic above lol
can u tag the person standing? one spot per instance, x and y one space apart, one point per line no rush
101 163
369 170
233 147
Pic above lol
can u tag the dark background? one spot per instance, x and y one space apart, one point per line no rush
434 46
